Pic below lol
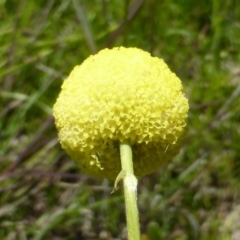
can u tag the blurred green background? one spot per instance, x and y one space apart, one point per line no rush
43 194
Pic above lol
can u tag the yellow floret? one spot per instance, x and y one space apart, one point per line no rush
119 94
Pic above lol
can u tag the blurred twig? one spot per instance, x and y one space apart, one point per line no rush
38 173
131 12
37 143
86 28
223 111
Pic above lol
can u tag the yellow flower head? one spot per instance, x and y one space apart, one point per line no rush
118 94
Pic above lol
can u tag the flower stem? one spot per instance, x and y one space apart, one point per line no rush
130 191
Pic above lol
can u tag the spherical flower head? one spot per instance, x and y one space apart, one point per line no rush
116 95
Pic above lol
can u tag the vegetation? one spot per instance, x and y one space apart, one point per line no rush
43 194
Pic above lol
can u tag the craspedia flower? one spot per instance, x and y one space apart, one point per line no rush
115 95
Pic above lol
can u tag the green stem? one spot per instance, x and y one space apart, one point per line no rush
130 191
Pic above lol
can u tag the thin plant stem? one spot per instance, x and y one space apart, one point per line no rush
130 191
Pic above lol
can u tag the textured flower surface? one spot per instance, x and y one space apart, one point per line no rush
118 94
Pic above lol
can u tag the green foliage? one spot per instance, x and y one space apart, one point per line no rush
43 195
